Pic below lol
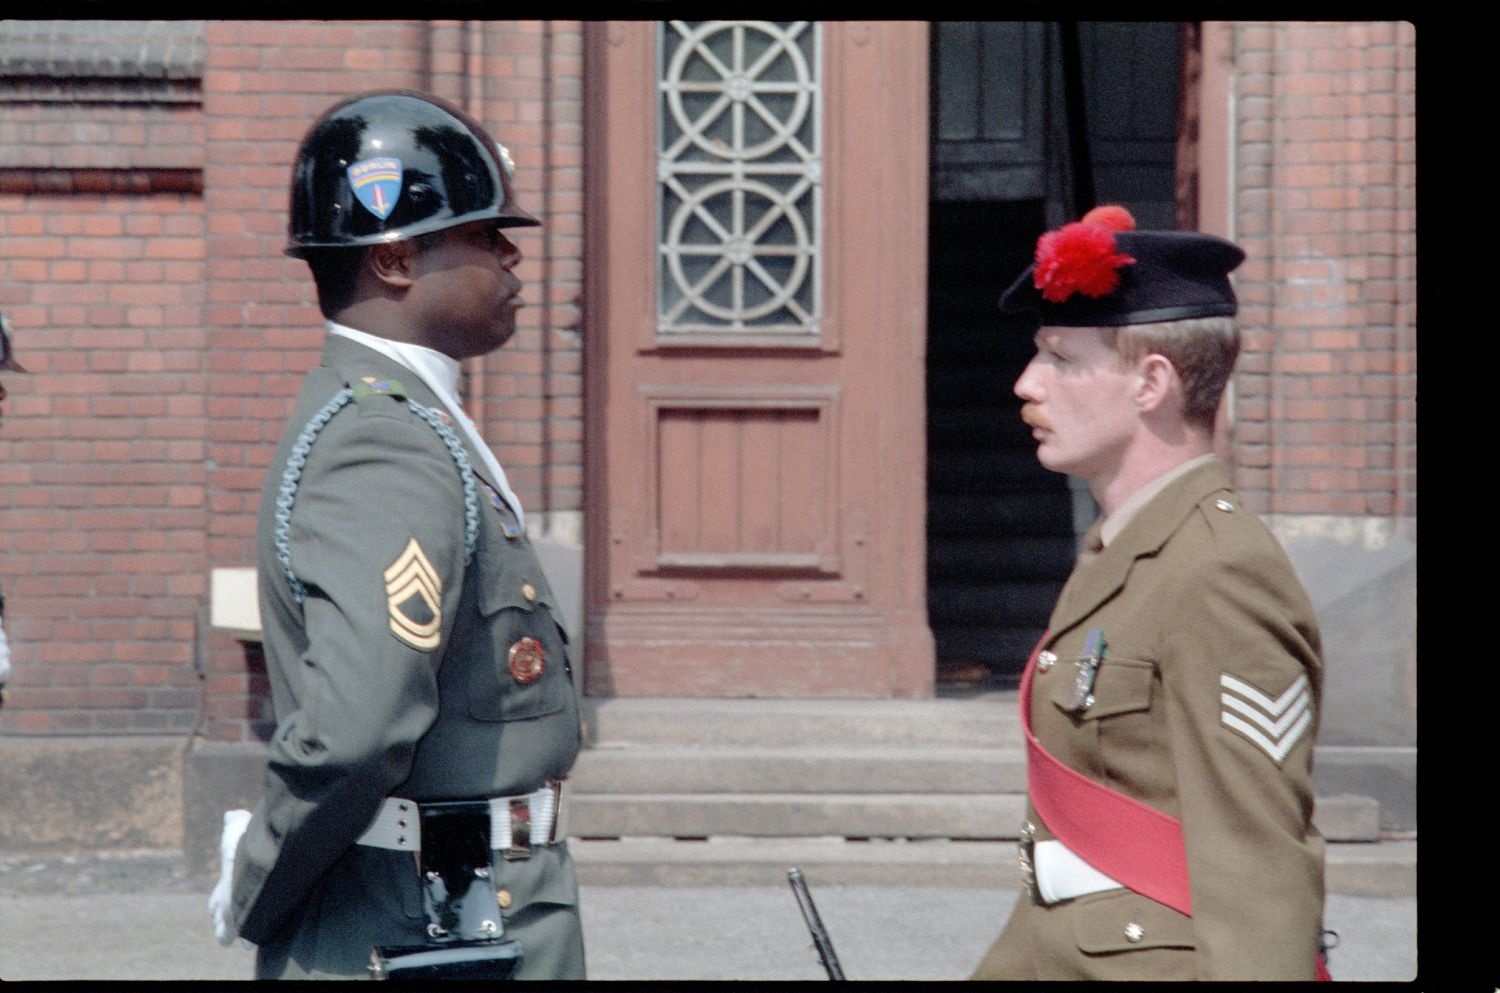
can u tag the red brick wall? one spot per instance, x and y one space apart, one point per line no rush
169 334
1325 205
102 460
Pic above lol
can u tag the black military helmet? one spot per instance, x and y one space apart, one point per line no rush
393 164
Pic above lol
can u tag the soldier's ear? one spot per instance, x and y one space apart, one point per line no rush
1157 382
392 263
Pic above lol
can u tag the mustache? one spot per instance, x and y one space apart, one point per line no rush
1032 418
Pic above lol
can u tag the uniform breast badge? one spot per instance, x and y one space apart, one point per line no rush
511 529
1081 694
373 386
1026 859
526 659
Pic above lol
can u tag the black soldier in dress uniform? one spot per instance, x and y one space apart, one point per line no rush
1171 707
424 700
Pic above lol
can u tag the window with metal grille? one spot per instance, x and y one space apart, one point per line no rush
739 178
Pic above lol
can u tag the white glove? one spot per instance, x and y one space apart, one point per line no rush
235 822
4 655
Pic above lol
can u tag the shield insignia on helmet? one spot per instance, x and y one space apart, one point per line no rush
377 184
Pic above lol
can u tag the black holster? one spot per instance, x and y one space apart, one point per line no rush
463 931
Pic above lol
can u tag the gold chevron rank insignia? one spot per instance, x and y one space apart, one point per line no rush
414 598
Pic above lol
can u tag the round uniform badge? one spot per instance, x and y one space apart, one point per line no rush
526 660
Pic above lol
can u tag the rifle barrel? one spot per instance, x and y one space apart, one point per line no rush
821 941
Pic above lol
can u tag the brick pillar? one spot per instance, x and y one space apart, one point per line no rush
1326 210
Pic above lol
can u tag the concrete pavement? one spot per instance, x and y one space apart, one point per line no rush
140 918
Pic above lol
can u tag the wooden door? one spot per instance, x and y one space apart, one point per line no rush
755 470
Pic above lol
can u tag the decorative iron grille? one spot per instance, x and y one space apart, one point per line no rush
739 178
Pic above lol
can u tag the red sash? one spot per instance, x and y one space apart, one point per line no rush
1132 843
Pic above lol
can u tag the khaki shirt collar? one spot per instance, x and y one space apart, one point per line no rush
1115 523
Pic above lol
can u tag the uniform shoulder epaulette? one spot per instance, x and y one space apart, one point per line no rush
1231 524
373 386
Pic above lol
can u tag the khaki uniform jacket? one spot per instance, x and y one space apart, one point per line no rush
392 679
1205 708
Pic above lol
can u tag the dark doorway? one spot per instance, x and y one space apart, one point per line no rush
999 527
1029 119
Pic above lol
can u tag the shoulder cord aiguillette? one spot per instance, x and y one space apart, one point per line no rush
297 460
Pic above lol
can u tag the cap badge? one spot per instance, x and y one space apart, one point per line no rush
377 184
508 163
526 660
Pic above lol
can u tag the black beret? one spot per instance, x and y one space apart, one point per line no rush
1173 275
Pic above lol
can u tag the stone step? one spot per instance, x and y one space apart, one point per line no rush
980 816
984 721
1381 869
939 815
647 745
611 768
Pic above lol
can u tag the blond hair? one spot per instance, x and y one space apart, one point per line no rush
1203 350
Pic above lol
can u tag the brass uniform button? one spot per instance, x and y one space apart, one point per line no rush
529 592
1134 933
504 898
1225 506
1045 661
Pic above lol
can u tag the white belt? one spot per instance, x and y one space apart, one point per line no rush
1063 875
398 827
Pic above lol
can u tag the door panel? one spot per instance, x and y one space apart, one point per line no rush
755 498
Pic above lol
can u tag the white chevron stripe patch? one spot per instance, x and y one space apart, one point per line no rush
1274 726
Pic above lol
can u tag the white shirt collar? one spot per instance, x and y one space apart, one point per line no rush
440 372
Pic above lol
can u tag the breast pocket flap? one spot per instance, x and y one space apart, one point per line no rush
1126 922
1121 686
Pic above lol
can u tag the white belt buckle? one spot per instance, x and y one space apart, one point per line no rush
519 823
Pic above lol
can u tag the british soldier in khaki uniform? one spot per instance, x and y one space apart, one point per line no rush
1172 705
424 700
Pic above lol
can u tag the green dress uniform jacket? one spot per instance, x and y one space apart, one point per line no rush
391 679
1205 708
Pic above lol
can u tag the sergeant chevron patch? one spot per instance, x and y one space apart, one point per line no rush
1274 726
414 598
